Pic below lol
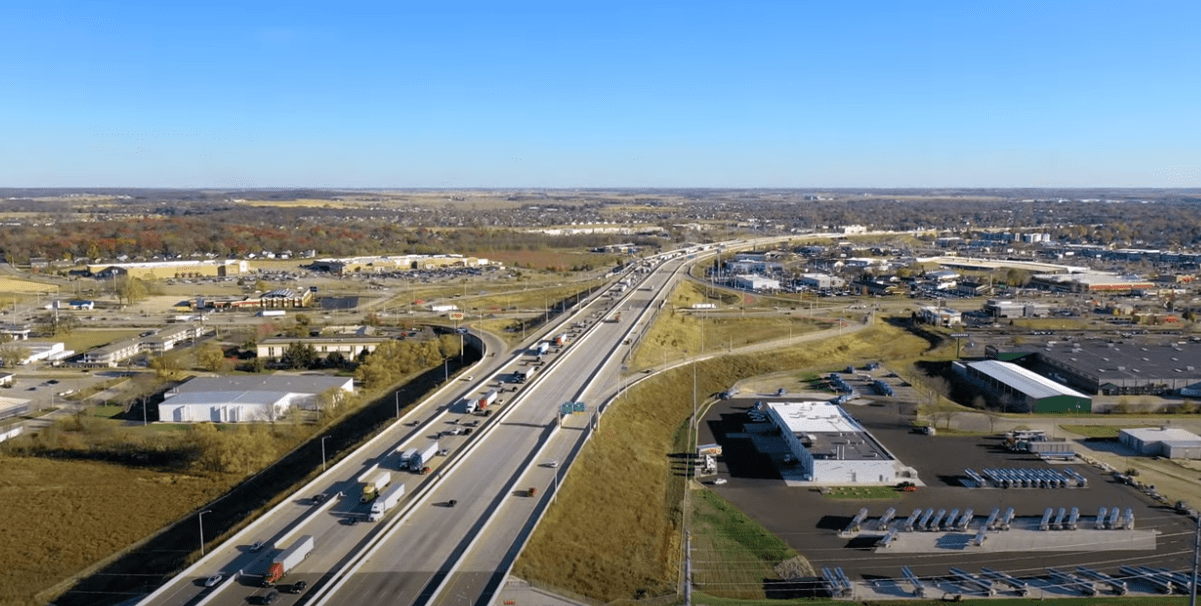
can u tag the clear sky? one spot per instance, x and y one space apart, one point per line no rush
574 93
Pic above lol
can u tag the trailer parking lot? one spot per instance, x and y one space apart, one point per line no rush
812 523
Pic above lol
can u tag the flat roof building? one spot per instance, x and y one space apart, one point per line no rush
830 447
245 399
1169 442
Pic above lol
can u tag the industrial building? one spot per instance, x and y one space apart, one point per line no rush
1023 389
1008 308
1166 442
170 269
941 316
1112 367
246 399
830 447
756 283
273 348
1090 282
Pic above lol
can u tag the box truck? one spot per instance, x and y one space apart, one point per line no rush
422 459
386 502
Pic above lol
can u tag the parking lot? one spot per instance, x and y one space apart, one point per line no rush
811 522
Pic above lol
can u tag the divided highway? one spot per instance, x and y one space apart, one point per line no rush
427 551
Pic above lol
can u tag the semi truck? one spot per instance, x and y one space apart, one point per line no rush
386 502
405 457
522 374
269 313
488 400
561 340
286 561
541 348
422 459
372 487
471 405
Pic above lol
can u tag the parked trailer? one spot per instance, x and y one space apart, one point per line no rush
981 536
1118 586
965 520
386 502
372 487
1101 514
1113 518
422 459
1059 517
1007 519
887 539
1128 520
882 523
991 522
1071 581
973 582
919 590
1045 524
911 520
923 523
1074 519
1021 587
1138 573
936 521
856 522
951 519
286 561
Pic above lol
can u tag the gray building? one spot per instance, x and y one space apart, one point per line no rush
1167 442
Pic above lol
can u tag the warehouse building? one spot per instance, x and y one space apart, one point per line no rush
830 447
1162 442
1022 389
1112 367
247 399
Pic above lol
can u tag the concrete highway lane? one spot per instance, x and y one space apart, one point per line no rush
490 484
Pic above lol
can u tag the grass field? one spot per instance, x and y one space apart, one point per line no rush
62 516
733 552
628 477
12 286
862 492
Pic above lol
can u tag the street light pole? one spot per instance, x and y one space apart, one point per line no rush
200 517
323 452
397 403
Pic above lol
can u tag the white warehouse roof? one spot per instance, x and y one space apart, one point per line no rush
1019 379
1172 435
815 417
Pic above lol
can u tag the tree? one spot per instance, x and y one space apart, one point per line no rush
211 357
130 290
166 366
299 355
12 353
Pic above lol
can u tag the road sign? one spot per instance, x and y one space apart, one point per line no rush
578 407
565 409
455 315
959 335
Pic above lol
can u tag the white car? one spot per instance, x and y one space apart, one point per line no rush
553 463
719 481
468 378
257 546
213 580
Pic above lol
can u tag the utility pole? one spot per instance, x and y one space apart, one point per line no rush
1192 601
201 518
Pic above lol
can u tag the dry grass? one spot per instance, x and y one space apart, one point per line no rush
615 531
12 288
733 551
61 517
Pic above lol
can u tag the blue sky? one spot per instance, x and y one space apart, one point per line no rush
796 93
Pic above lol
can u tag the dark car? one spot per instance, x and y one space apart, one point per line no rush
452 503
298 587
269 598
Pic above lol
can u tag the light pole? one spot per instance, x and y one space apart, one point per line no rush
397 403
323 452
201 518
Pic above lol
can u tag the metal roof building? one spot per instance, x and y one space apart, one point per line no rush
1024 389
246 398
1169 442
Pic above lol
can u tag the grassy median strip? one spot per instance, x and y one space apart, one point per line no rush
731 551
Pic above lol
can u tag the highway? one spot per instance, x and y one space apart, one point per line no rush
406 556
455 555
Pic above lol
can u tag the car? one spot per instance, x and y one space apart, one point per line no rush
319 497
781 391
257 546
719 481
213 580
298 587
553 463
444 452
452 503
468 378
269 598
52 382
467 431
